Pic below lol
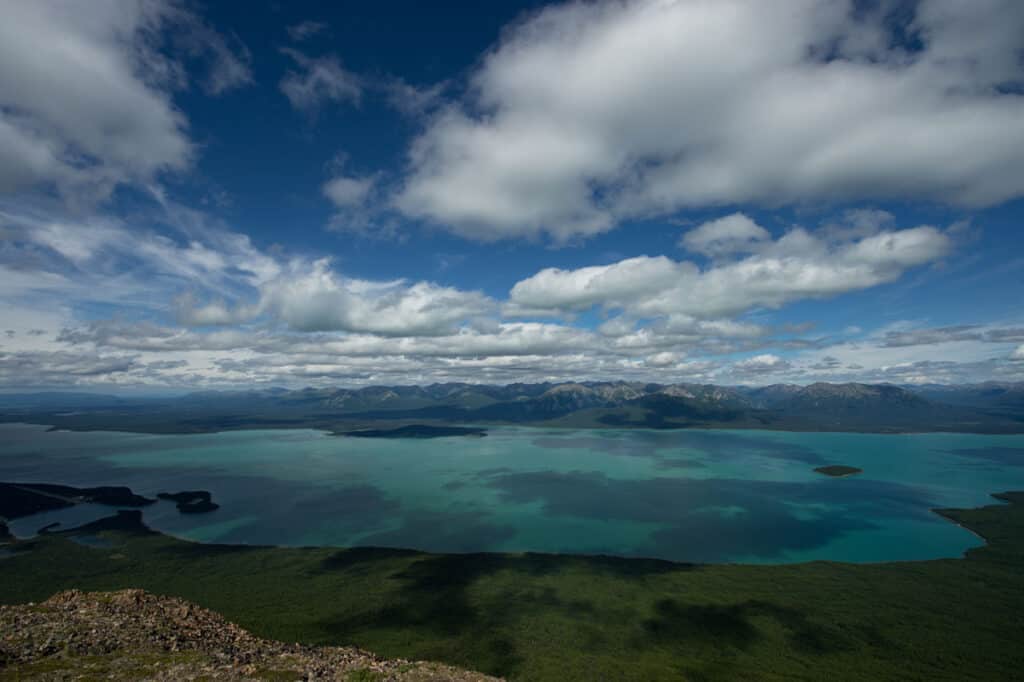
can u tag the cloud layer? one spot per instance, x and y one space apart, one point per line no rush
582 117
208 308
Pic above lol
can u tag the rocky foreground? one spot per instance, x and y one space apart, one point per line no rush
134 635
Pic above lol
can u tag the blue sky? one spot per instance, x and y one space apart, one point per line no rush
196 196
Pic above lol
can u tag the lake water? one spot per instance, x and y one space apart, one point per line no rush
738 496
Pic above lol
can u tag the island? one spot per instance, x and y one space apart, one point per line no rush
191 501
838 470
417 431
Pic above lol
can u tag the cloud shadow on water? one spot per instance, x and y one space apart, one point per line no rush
663 446
345 510
995 455
707 520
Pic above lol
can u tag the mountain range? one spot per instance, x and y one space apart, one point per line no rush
985 408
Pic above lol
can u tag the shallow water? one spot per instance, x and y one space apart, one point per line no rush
739 496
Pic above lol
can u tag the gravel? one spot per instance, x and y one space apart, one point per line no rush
134 635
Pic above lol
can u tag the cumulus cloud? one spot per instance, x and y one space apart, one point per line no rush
74 109
315 299
556 290
348 192
586 114
193 313
317 81
798 265
86 91
732 234
761 364
663 359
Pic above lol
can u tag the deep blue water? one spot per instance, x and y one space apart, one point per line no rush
739 496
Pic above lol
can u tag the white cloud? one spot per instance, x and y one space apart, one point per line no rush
305 29
663 359
107 260
201 306
319 80
762 364
686 325
75 108
1018 354
191 313
349 192
590 113
798 265
554 289
732 234
85 91
313 298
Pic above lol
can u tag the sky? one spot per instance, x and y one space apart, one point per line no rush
242 195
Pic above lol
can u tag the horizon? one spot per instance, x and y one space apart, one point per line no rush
296 196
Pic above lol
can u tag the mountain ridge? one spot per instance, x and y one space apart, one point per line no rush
851 406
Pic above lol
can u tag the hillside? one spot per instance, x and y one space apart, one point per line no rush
131 635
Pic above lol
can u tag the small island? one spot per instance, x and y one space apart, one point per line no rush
191 501
417 431
838 470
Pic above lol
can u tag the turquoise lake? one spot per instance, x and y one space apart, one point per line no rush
733 496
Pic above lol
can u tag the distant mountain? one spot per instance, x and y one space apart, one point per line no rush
991 394
840 398
770 396
984 408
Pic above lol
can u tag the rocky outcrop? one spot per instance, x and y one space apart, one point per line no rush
131 635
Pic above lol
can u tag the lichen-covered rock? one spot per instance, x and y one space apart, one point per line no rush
134 635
